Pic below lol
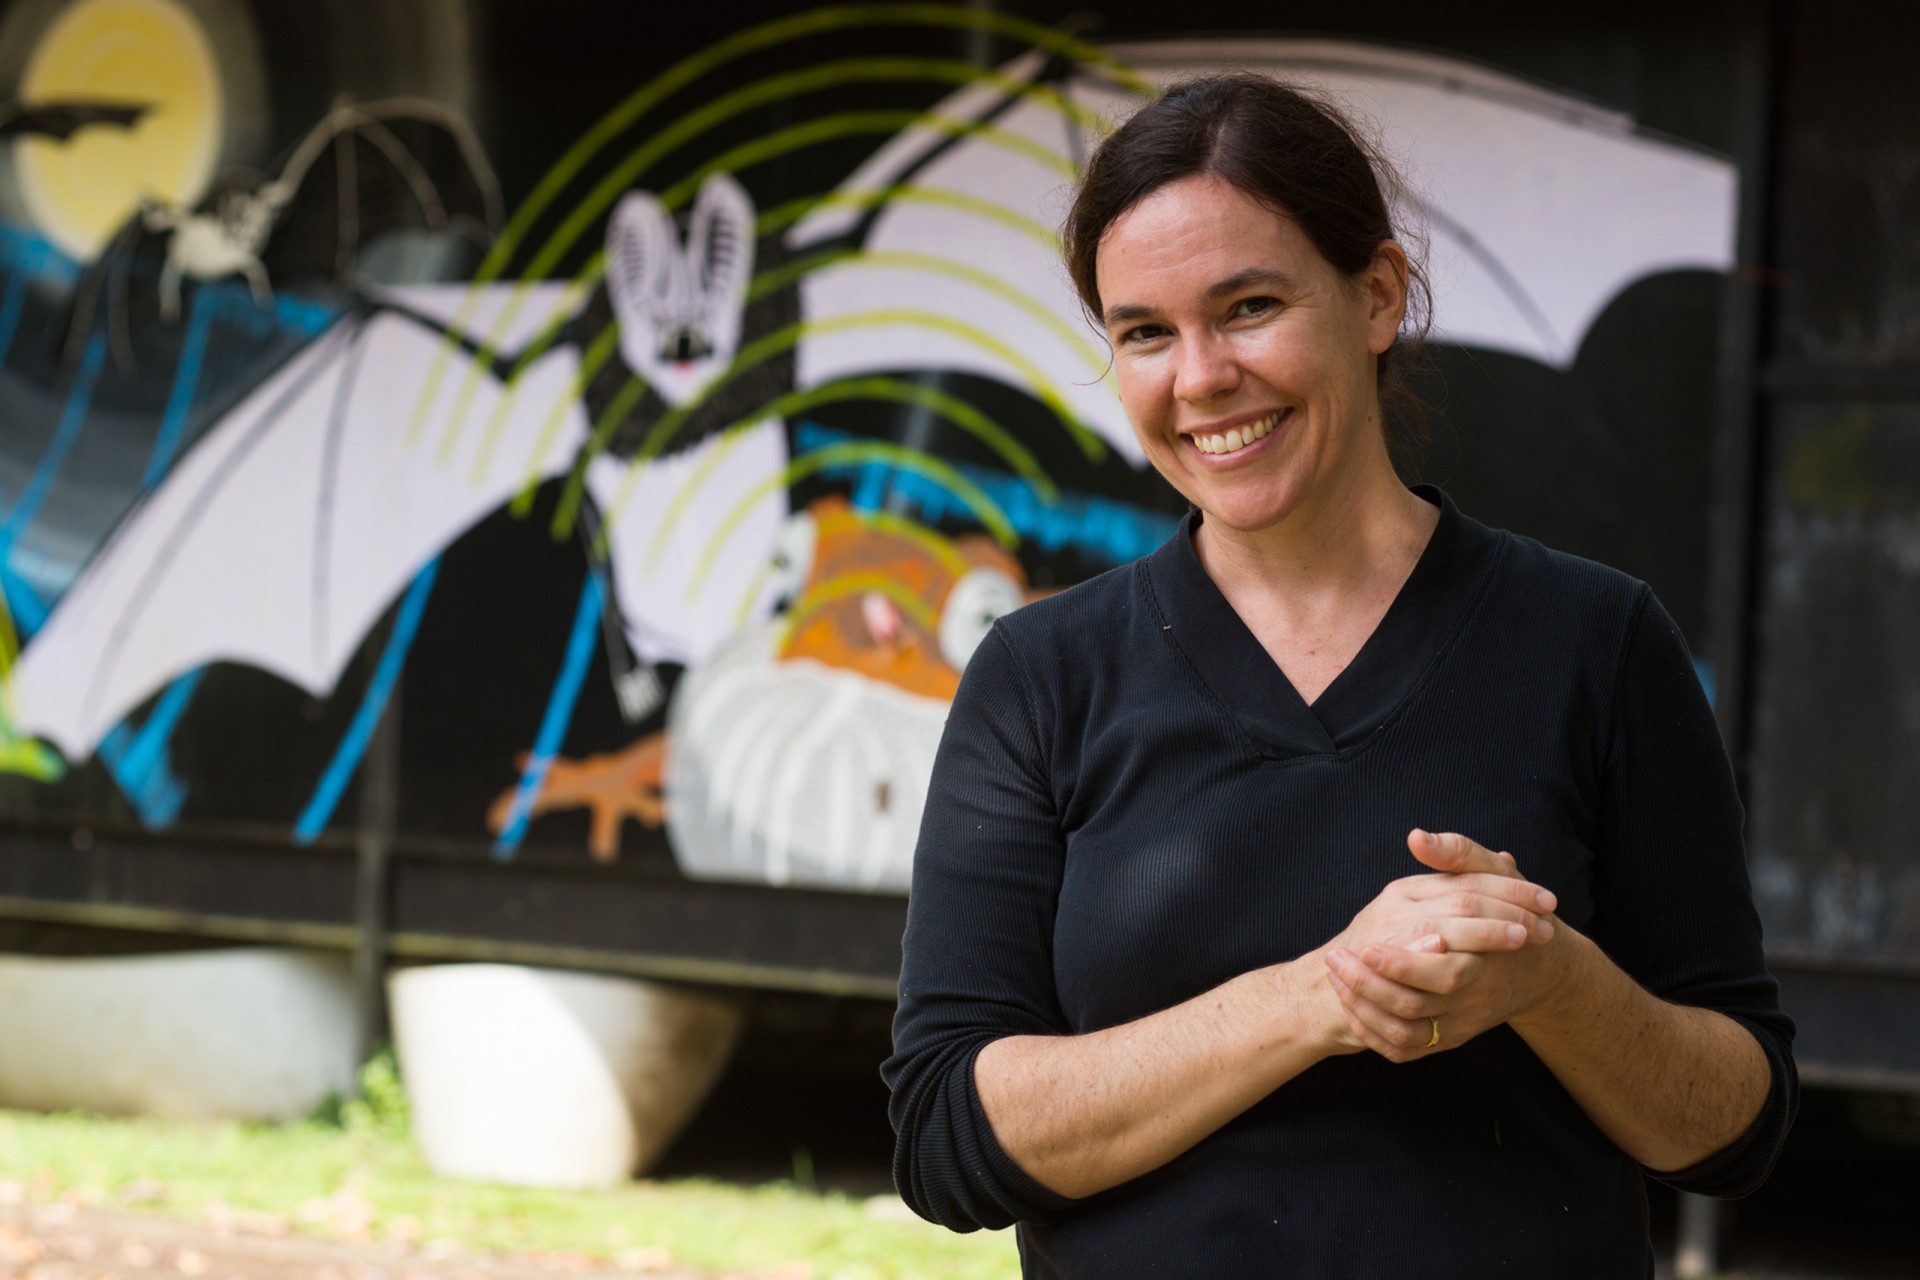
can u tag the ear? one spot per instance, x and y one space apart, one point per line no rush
1386 287
640 251
720 253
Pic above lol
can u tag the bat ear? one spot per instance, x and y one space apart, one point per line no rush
640 256
720 253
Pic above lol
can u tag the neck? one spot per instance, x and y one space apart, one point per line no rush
1358 533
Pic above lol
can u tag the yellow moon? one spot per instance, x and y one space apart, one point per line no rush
140 52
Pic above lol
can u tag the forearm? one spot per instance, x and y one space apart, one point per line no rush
1084 1113
1669 1084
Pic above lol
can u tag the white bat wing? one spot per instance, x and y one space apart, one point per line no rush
294 523
1541 209
695 532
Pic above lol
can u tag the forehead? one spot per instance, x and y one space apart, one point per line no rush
1193 233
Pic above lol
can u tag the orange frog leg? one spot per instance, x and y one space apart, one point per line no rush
623 784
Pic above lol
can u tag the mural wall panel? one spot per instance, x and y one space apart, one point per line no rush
655 429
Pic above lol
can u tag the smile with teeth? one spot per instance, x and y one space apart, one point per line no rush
1237 437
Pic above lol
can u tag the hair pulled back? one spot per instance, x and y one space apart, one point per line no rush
1293 152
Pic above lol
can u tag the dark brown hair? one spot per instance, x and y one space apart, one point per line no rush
1291 151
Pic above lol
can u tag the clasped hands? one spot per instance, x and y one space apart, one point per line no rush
1438 958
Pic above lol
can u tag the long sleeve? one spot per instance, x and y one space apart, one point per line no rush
978 962
1673 906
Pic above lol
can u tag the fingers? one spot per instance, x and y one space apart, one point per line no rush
1375 1024
1421 973
1437 914
1477 935
1452 852
1407 1003
1458 893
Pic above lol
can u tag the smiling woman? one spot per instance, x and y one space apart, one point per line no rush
1246 362
1189 988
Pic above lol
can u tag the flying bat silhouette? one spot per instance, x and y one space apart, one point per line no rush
61 120
298 518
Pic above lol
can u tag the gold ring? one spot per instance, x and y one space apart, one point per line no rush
1436 1033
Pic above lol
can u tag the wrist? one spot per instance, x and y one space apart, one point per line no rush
1312 1025
1567 989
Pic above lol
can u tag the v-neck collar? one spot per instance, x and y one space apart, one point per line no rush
1247 681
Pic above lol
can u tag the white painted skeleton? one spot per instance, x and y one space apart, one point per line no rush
214 246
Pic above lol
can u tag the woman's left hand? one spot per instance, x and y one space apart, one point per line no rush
1407 1003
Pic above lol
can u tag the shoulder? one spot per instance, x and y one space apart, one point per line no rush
1063 615
1564 595
1064 647
1075 621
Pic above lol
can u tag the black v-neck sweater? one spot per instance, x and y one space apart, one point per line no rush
1132 805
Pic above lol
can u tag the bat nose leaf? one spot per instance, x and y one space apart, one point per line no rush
686 344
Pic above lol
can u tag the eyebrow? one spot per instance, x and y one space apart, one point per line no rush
1279 281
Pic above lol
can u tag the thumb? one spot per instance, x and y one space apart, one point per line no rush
1452 852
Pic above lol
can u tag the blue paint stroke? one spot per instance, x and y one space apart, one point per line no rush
559 714
297 315
346 758
75 414
1111 531
186 380
1709 679
143 764
34 255
232 304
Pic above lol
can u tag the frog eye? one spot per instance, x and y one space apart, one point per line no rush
979 599
792 561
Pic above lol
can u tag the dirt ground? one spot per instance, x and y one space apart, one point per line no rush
65 1241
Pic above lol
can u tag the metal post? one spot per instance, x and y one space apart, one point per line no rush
1735 527
379 803
1696 1252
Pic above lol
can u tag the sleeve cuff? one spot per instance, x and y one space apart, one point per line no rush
1017 1190
1739 1168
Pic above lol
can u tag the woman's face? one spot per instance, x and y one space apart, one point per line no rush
1245 361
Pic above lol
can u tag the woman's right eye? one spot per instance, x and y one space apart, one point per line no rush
1143 333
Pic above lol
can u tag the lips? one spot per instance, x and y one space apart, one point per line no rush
1235 438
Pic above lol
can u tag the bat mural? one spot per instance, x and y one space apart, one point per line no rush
760 449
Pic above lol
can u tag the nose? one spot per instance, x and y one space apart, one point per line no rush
1205 370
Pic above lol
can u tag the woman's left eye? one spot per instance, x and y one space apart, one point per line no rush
1255 306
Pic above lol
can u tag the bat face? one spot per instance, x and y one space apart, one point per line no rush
679 306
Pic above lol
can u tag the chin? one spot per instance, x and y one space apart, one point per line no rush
1247 512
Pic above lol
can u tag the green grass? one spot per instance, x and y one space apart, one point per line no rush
361 1178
